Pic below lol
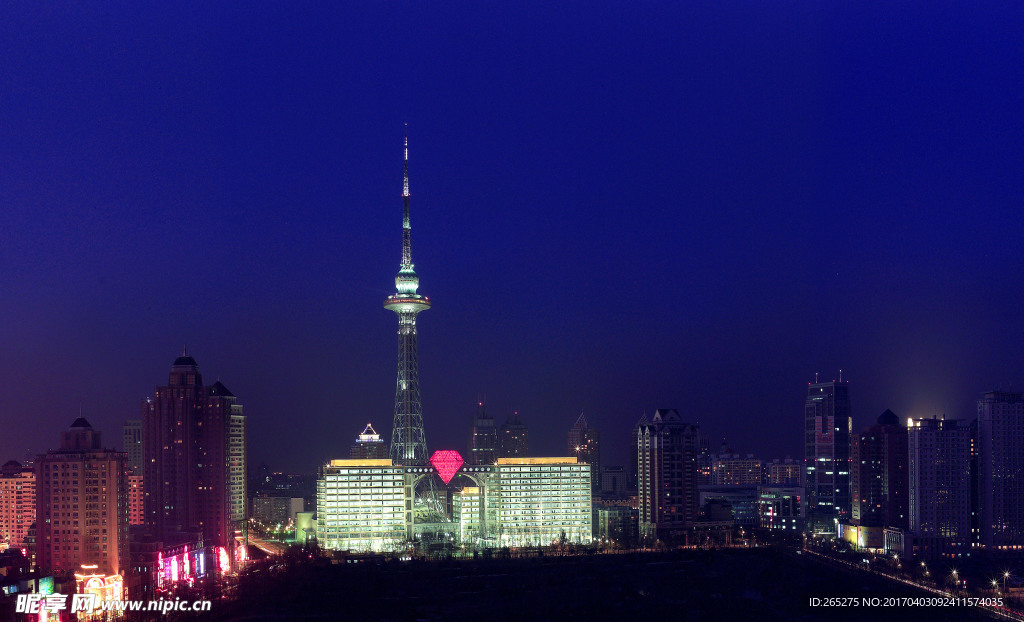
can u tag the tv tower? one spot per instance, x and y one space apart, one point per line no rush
408 442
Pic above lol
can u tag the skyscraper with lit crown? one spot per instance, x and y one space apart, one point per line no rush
408 441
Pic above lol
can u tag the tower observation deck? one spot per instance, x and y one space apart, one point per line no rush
408 441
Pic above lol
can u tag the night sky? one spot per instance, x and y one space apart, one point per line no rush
616 207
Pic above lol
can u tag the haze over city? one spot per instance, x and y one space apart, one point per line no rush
615 208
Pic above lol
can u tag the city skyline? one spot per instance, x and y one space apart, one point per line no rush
618 211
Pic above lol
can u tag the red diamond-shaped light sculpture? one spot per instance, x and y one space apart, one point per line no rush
447 462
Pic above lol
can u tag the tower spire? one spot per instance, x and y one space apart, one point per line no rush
408 441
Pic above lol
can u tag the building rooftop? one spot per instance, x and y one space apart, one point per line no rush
888 418
218 388
357 462
566 460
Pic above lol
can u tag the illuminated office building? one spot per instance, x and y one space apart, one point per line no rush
541 501
361 506
366 505
467 509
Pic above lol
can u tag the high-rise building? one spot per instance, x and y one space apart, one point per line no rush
361 506
879 479
467 508
136 500
780 509
408 439
827 429
81 505
541 501
482 447
735 470
368 446
939 456
514 438
613 480
783 473
1000 477
584 442
667 449
705 461
132 435
17 503
194 441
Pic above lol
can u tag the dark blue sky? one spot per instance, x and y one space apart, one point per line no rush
615 207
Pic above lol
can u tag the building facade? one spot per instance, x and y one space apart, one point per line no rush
584 442
828 427
194 440
667 449
133 450
613 480
1000 470
783 473
482 446
467 509
17 503
780 508
542 501
514 438
939 456
81 505
136 500
368 446
367 505
361 506
879 477
734 470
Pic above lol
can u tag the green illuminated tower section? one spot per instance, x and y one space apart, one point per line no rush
408 441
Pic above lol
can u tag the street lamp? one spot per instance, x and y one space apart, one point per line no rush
1006 575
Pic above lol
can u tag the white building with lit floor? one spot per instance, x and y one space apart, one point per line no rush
366 505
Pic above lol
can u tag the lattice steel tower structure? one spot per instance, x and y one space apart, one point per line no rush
408 441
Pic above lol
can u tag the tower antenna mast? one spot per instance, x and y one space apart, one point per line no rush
408 440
